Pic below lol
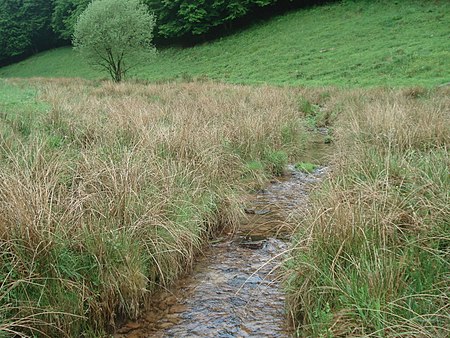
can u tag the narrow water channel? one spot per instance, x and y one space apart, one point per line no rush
234 290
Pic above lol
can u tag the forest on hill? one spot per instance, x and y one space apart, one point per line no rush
31 26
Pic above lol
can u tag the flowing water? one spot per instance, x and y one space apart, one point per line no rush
234 290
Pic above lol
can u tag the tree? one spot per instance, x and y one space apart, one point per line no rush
114 35
184 18
65 15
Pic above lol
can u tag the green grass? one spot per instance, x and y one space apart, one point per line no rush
306 167
16 99
353 43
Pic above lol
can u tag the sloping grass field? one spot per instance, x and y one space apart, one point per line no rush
353 43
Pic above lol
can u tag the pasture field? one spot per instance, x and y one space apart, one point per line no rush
346 44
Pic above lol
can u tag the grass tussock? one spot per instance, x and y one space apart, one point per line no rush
107 191
371 257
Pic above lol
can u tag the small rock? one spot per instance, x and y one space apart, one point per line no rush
133 325
129 327
124 330
245 329
170 300
254 245
262 212
152 317
178 308
173 318
135 335
165 325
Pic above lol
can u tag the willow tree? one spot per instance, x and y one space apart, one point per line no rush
114 35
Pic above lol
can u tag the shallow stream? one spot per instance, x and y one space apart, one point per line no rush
234 290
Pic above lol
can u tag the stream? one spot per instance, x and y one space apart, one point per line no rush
234 290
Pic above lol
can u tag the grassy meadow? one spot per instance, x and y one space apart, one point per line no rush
109 191
349 44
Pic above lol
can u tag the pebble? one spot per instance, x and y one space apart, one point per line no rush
178 308
165 325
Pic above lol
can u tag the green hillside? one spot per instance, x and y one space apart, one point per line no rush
353 43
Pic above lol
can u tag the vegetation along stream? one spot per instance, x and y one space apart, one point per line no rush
234 290
131 158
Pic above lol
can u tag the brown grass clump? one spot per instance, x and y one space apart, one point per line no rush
372 256
107 191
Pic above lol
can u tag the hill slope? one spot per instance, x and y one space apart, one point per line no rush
360 43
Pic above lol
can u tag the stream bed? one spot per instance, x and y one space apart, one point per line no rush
234 289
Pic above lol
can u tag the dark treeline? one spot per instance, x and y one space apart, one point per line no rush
25 28
31 26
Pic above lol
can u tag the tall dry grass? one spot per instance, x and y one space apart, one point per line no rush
371 257
111 191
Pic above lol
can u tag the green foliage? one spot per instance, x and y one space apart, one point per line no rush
254 173
28 26
114 35
65 16
182 17
316 117
24 27
276 161
255 166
